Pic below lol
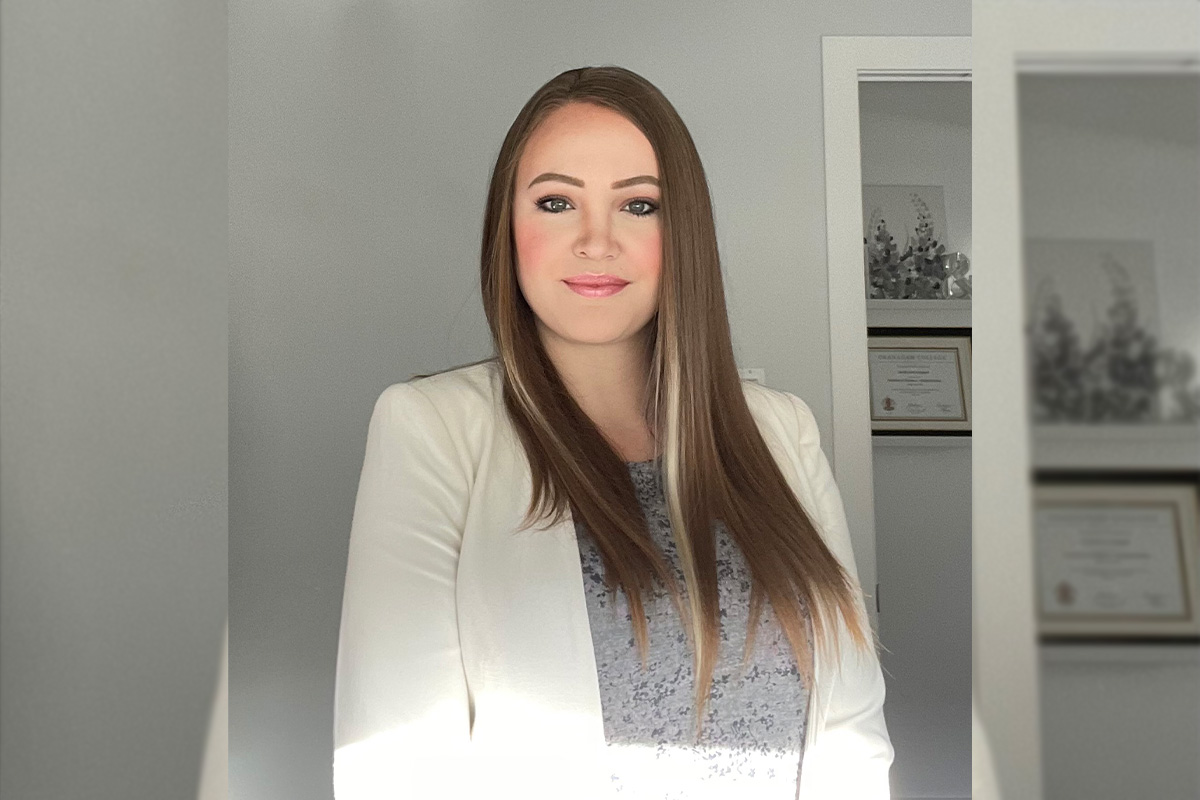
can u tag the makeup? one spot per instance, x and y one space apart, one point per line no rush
596 290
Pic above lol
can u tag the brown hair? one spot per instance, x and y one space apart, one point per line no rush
715 463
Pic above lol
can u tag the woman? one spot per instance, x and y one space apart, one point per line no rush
482 652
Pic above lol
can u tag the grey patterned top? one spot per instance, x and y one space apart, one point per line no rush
753 734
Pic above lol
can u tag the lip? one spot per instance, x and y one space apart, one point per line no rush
595 290
596 285
597 280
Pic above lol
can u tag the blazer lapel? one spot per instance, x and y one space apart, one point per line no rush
525 634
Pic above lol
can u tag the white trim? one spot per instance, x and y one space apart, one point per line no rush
1124 66
920 441
951 313
1138 447
1144 654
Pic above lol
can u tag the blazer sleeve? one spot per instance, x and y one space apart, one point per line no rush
401 705
851 753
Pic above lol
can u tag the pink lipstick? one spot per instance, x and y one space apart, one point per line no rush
589 290
596 285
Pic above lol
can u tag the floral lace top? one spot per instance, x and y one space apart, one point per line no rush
753 733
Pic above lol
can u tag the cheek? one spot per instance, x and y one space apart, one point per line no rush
649 254
532 246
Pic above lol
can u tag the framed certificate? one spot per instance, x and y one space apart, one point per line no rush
1117 559
920 384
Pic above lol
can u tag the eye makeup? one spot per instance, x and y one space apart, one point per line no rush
652 206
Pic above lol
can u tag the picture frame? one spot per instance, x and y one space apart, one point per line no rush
906 245
1116 558
920 382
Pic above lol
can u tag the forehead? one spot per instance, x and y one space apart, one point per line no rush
581 138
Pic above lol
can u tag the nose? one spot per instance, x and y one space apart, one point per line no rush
596 240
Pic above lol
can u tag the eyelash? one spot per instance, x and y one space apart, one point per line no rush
653 205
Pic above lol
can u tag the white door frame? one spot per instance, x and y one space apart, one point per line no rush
847 60
1048 36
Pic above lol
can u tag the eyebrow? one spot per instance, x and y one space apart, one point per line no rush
557 176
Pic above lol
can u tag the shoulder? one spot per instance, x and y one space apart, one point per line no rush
453 411
460 392
788 424
783 413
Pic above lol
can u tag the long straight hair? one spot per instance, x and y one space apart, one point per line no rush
716 465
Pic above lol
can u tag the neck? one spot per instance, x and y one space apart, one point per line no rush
608 381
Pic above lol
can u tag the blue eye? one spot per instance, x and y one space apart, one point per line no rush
651 208
551 200
546 204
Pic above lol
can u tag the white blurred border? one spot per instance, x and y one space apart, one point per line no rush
1044 36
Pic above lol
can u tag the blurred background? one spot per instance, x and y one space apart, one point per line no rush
113 395
1087 177
1110 200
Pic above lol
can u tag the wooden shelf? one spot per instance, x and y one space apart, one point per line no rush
919 313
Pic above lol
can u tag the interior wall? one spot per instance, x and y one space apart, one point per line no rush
113 395
1119 158
919 133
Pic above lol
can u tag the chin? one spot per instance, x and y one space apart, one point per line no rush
594 334
593 337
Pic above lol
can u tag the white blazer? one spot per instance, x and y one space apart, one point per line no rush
465 665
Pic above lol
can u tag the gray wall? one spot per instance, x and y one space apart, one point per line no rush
923 548
113 395
361 136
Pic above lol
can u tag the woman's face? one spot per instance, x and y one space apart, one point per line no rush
586 203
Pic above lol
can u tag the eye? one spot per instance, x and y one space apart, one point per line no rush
649 205
552 200
640 208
